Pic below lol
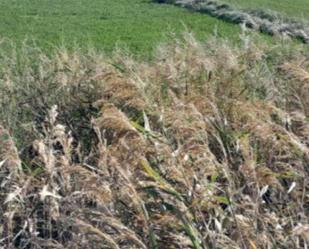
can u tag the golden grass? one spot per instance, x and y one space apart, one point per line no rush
204 147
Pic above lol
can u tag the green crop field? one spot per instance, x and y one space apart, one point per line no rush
294 8
138 24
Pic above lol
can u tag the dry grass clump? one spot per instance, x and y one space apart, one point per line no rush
206 146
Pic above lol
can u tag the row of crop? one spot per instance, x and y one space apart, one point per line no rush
265 22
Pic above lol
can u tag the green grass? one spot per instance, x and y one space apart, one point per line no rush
103 24
294 8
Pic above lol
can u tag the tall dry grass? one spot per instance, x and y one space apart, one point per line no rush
205 146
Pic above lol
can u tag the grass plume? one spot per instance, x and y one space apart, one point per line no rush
205 146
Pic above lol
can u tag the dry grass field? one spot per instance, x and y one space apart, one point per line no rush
192 143
206 146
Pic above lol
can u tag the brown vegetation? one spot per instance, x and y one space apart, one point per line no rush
206 146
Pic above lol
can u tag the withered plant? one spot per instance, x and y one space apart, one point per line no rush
205 146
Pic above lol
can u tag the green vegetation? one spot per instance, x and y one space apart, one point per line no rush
293 8
268 22
139 24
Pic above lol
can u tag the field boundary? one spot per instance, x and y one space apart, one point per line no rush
271 23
